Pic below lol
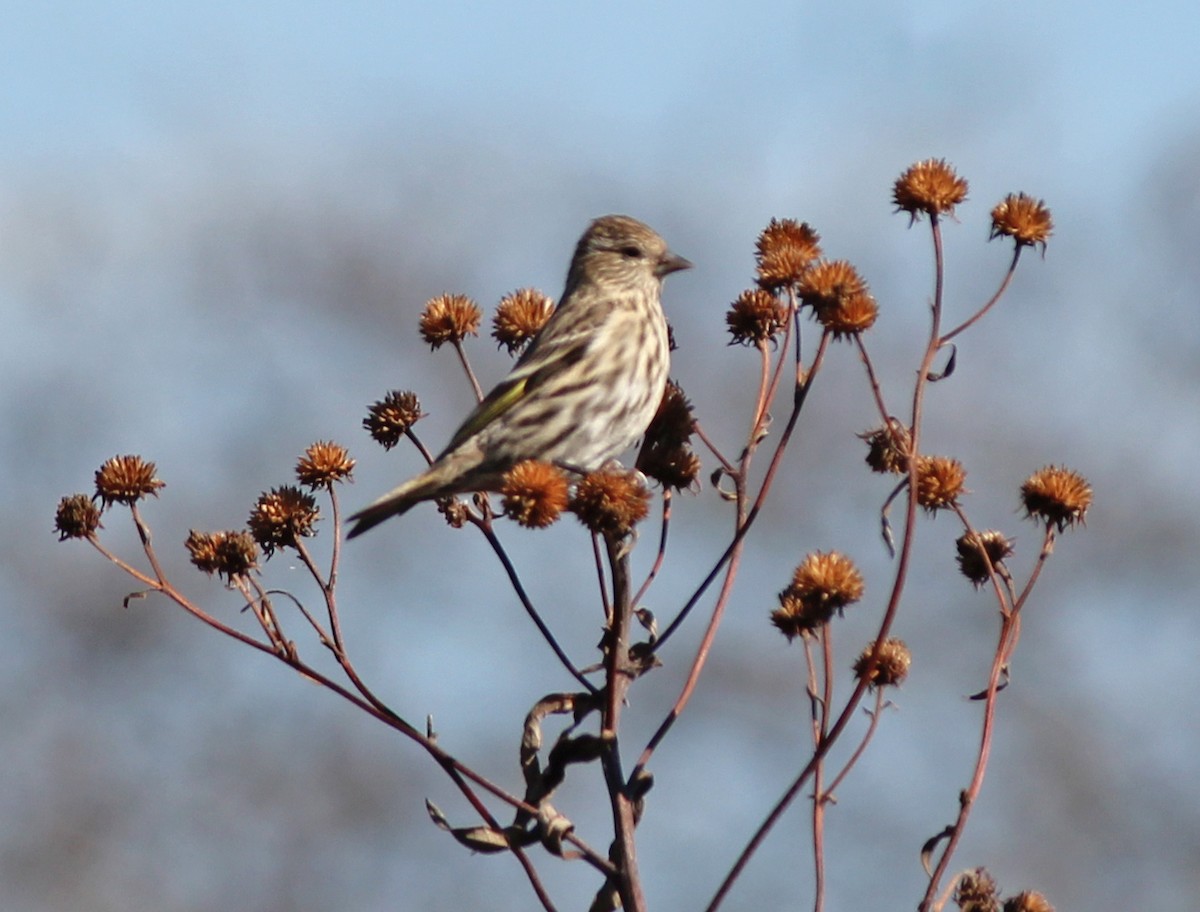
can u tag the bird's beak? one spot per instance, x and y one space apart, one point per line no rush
671 263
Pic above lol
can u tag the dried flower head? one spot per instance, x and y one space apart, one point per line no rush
535 493
829 283
666 454
611 501
229 554
1024 219
281 517
323 463
786 248
972 546
1029 901
887 448
976 891
822 584
455 511
126 479
892 667
519 317
388 419
930 187
449 318
850 316
674 467
939 482
674 422
77 516
756 317
1057 496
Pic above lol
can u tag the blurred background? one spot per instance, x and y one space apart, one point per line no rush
218 224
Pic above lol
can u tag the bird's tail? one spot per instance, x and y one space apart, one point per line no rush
395 502
453 473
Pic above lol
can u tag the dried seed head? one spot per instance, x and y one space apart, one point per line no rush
77 516
388 419
822 584
666 454
1029 901
1024 219
786 248
126 479
939 482
887 448
229 554
455 511
756 317
673 467
892 667
281 517
323 463
972 546
976 891
673 423
449 318
519 317
830 282
611 501
1057 496
535 493
850 316
930 187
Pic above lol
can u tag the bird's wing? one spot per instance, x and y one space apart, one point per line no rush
526 377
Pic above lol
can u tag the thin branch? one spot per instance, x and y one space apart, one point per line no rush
661 555
514 579
466 364
619 675
978 315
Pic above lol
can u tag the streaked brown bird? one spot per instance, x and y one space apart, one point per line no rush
585 389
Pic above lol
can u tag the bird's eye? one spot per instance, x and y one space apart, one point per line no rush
632 251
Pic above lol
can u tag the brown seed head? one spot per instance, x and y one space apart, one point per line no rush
666 454
887 448
388 419
756 317
610 501
1024 219
1057 496
535 493
126 479
1029 901
671 467
673 423
850 316
939 482
930 187
455 511
892 667
449 318
976 891
77 516
281 517
822 584
829 283
786 248
229 554
519 317
323 463
972 546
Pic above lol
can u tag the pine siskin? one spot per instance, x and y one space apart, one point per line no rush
584 390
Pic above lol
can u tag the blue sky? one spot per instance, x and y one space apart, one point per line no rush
217 223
